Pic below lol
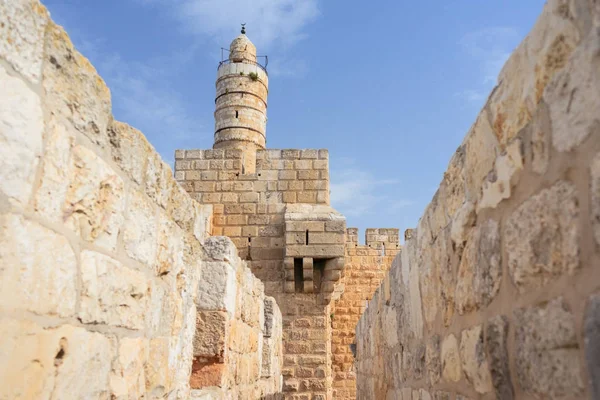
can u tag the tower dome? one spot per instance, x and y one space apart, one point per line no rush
242 49
241 102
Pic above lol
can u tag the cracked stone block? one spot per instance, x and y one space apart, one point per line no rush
474 359
496 337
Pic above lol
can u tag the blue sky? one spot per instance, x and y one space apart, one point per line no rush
390 87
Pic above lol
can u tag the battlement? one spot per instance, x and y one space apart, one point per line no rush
215 176
375 238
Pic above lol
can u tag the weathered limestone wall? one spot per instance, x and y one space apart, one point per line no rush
238 341
496 293
102 255
365 267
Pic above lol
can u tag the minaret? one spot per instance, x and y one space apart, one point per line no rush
241 102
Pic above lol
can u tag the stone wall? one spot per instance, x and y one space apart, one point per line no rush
102 253
238 341
365 267
496 293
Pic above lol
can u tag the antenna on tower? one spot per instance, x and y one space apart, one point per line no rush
244 29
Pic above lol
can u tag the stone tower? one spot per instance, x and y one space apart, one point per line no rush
241 102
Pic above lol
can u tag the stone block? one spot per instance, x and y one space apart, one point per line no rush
140 229
21 119
159 179
432 360
503 177
496 338
129 149
542 237
50 196
547 350
480 269
210 335
73 91
592 343
127 379
217 288
474 359
94 201
573 93
595 196
158 369
220 248
451 366
169 257
23 24
111 293
39 268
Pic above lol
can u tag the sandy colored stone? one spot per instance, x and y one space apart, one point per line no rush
50 196
540 56
481 149
480 269
542 237
499 183
496 338
38 268
159 179
140 229
474 359
541 132
21 127
130 149
169 257
571 94
595 196
210 336
451 367
94 202
592 343
74 92
217 289
547 351
22 26
83 367
127 379
432 360
111 293
158 369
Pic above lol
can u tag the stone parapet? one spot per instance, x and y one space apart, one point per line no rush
495 293
109 286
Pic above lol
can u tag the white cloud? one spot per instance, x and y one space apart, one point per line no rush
269 22
356 192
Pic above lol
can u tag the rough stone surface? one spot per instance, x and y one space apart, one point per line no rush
595 196
569 93
94 201
112 293
542 237
503 177
38 268
480 271
451 367
592 343
140 229
547 350
474 359
21 127
496 337
22 26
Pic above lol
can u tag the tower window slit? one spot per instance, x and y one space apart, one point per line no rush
236 113
306 237
298 275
